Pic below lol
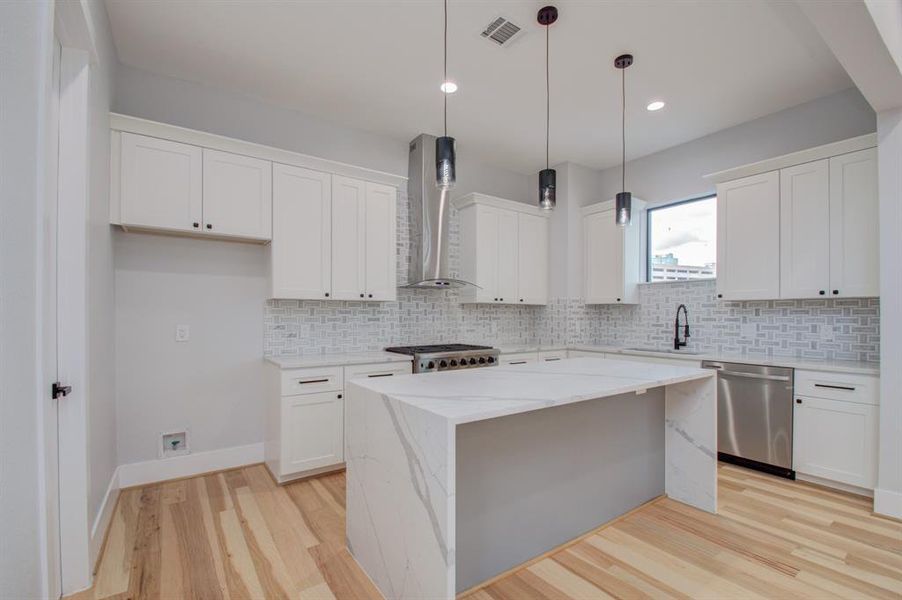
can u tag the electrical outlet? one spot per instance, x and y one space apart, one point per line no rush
182 333
174 443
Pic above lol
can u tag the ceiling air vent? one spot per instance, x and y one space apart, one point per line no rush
502 31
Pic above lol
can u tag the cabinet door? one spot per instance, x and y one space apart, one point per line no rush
487 248
532 259
805 230
302 231
835 440
237 195
603 259
854 258
508 247
312 431
381 244
161 183
748 238
348 238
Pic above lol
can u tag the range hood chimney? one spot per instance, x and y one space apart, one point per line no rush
430 211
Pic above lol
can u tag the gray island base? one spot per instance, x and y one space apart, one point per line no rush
455 477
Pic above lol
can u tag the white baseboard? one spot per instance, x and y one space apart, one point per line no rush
152 471
103 518
836 485
888 502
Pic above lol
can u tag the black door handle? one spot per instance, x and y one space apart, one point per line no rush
60 391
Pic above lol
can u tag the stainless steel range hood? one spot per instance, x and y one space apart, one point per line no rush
430 211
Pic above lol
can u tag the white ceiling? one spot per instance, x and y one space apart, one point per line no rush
377 65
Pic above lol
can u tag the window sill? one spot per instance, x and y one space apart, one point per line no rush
669 281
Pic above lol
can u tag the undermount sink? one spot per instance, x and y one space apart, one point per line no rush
660 351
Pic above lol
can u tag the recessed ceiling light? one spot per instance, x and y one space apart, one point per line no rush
449 87
656 105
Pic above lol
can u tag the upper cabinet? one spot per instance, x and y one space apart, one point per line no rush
612 255
333 237
161 184
504 250
748 238
805 230
237 195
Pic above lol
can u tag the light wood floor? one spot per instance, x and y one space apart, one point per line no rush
238 535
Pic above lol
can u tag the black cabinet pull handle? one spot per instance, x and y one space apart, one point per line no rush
361 295
196 224
618 299
370 295
381 375
521 299
313 381
835 292
339 396
822 292
835 387
327 294
209 226
798 400
720 295
496 299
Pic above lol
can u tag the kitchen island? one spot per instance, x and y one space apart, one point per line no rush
455 477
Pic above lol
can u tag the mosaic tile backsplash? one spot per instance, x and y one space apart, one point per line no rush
845 329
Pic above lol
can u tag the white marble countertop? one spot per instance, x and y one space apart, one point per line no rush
480 394
337 360
834 366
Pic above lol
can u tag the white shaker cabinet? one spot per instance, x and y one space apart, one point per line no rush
748 238
237 195
302 233
380 247
532 259
161 184
312 431
805 230
612 255
348 238
854 221
504 251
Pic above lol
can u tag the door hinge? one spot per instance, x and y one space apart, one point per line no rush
58 390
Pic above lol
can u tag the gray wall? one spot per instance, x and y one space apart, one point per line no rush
677 173
26 30
213 383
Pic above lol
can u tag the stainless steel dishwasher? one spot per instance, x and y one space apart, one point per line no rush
754 416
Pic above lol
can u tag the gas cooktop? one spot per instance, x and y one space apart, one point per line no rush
446 357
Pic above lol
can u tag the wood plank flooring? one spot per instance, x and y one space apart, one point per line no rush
237 534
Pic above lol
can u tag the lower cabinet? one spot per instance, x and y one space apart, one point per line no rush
518 358
835 440
305 420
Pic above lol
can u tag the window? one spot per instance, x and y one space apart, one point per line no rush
682 240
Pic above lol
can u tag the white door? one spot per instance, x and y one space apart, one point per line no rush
161 184
603 247
381 245
348 238
854 258
748 238
312 431
302 231
835 440
532 259
487 245
805 230
237 195
49 343
508 246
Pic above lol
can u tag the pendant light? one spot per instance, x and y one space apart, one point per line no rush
547 176
445 168
624 202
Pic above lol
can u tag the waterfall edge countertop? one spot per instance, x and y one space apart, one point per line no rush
477 394
336 360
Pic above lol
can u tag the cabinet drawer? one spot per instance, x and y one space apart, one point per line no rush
379 370
847 387
552 355
518 358
311 381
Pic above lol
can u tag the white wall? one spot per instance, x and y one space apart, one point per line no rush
26 30
101 350
212 383
677 173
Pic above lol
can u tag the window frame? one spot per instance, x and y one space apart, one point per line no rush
648 254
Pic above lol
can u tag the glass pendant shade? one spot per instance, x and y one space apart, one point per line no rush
547 181
445 169
624 207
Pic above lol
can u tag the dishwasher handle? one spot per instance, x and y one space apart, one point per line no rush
727 373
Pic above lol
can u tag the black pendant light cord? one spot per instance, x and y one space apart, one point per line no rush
547 98
445 80
623 130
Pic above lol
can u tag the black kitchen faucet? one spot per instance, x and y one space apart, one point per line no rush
677 344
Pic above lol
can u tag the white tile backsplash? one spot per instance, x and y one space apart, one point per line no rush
830 328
